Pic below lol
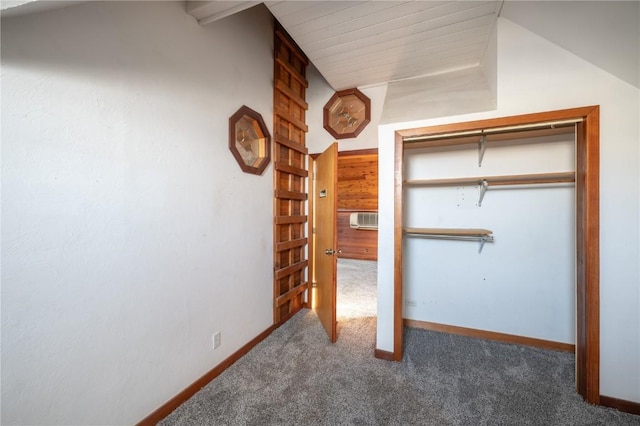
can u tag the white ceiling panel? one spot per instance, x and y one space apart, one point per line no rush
389 25
388 40
421 45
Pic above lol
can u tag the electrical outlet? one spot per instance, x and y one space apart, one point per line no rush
216 340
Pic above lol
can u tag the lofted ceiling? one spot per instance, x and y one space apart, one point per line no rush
403 40
389 40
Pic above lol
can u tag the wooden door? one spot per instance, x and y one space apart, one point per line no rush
325 261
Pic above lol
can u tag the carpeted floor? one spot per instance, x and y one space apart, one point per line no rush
357 289
296 376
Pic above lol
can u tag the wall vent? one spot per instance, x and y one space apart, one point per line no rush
364 220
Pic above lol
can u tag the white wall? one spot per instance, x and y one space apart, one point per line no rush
535 75
456 92
129 234
587 28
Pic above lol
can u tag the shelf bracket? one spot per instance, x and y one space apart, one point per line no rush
484 185
483 240
482 145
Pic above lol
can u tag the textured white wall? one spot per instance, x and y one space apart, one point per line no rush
535 75
129 232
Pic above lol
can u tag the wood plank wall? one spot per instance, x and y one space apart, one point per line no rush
357 192
289 176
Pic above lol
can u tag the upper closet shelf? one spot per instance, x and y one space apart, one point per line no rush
491 135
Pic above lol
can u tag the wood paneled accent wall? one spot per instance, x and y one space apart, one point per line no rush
357 192
289 174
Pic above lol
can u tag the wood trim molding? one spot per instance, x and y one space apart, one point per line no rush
490 335
368 151
385 355
311 187
514 120
167 408
620 404
588 256
397 236
587 232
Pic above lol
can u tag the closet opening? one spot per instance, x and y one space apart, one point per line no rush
505 134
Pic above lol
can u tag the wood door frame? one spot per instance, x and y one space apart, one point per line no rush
587 232
311 246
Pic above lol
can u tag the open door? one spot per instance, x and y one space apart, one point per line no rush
325 238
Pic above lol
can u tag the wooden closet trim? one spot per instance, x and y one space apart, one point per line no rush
587 232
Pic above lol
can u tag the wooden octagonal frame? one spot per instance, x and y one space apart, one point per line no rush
326 111
264 140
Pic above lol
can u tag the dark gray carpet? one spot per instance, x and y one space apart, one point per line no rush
296 377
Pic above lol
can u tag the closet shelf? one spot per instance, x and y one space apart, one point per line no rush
481 235
492 135
527 179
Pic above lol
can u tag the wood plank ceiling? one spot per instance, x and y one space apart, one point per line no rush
361 43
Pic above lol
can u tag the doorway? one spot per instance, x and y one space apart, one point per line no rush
357 243
357 192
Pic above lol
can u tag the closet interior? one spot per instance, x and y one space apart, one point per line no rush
511 190
411 210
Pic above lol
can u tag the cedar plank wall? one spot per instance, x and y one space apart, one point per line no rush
357 192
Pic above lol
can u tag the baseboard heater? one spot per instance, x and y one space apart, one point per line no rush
364 220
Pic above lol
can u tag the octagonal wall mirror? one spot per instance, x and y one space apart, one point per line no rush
347 113
249 140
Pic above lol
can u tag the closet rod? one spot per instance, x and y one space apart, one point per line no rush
449 232
480 235
495 130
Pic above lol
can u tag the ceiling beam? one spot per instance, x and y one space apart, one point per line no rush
207 12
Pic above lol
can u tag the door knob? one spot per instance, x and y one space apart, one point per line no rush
331 251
